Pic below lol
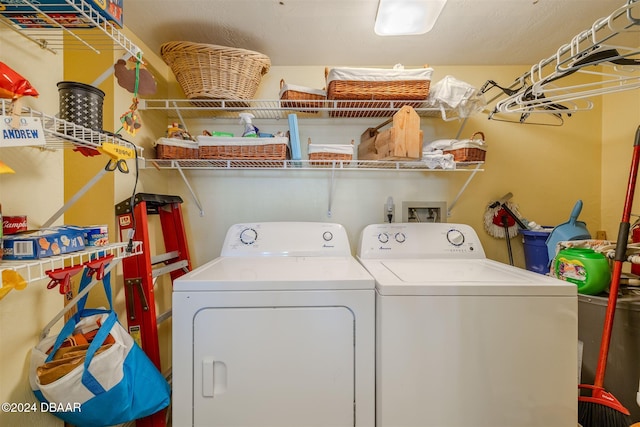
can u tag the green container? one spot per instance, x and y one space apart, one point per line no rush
588 269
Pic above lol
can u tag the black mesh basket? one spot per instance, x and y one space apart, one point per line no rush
80 104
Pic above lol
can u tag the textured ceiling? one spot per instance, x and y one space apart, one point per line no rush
340 32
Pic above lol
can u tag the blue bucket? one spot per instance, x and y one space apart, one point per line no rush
536 255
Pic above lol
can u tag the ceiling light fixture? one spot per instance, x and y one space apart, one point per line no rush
407 17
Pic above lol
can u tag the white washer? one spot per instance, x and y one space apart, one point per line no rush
464 341
277 331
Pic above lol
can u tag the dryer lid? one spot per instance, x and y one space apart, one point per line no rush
461 277
276 273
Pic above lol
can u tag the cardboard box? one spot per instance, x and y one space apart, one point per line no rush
96 235
61 11
38 244
402 142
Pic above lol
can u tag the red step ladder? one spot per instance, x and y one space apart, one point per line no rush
140 271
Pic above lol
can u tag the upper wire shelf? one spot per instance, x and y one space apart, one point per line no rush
63 134
53 31
279 109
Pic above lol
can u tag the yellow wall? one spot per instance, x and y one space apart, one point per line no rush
620 120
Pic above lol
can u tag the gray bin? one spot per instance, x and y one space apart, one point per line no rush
623 364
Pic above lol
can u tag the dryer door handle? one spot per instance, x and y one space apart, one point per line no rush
214 377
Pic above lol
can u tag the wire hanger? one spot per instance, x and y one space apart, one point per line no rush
544 90
554 110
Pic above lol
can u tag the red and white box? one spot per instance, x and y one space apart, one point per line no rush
14 224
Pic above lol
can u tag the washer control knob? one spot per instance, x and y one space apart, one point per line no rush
248 236
383 237
327 236
400 237
455 237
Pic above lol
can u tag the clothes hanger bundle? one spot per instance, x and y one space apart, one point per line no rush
545 89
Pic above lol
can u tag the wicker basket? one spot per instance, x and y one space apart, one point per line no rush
208 71
327 154
369 84
302 99
239 148
170 148
470 150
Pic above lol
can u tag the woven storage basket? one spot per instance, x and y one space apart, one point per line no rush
303 99
239 148
470 150
372 84
207 71
170 148
326 154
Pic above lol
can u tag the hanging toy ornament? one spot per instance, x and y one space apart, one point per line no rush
127 76
131 120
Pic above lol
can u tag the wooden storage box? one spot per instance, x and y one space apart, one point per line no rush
402 142
300 98
238 148
172 148
326 154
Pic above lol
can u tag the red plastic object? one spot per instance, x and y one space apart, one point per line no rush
602 397
96 266
598 395
635 238
62 277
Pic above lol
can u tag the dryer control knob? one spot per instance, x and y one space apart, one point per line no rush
455 237
400 237
327 236
248 236
383 237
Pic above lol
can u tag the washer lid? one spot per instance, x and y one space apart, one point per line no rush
461 277
276 273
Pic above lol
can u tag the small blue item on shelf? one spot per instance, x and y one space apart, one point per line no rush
294 137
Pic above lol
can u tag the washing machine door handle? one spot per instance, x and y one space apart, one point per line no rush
214 377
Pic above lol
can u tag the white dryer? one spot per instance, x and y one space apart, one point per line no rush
279 331
464 341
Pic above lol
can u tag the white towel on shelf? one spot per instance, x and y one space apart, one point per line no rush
436 159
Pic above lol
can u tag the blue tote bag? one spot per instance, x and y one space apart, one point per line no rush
115 383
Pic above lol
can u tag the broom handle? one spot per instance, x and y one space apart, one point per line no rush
620 257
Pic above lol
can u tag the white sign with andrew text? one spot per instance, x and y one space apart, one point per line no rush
28 133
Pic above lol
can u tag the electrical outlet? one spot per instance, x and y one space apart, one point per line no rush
424 212
386 213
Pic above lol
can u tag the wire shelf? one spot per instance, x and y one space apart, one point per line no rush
347 165
280 109
33 270
52 30
63 134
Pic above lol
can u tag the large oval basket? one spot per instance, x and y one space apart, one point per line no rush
215 72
